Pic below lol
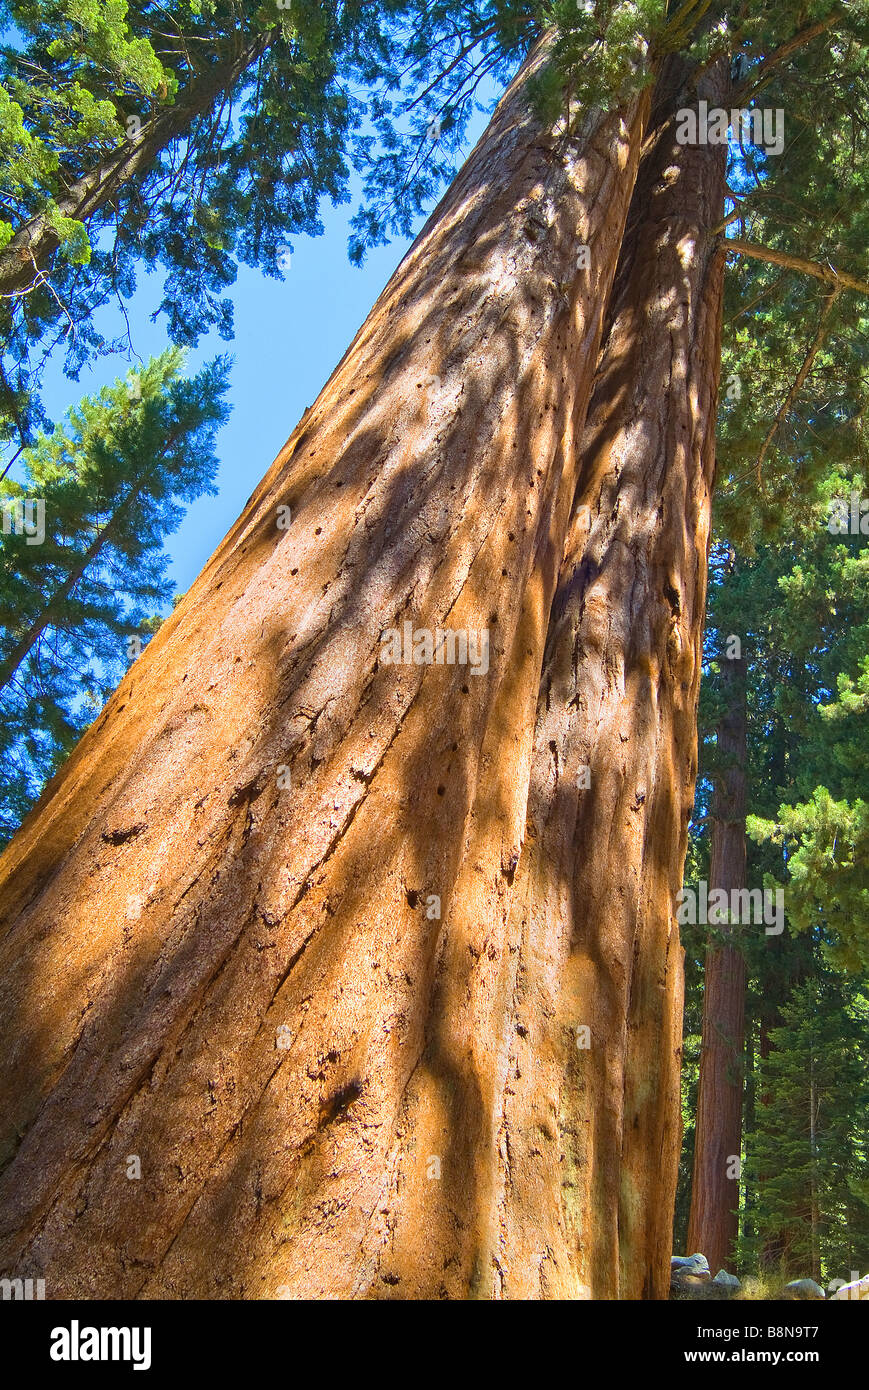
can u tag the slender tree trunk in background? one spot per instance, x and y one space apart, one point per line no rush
713 1224
244 983
773 1254
589 1187
813 1142
749 1112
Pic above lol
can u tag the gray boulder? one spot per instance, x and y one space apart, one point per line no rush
726 1281
803 1288
688 1273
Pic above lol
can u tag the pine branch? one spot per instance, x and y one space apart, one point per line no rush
38 238
813 350
760 75
828 273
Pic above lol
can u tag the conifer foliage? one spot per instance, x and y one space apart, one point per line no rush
83 569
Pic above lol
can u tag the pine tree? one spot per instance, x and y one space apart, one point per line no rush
82 567
809 1149
803 605
819 818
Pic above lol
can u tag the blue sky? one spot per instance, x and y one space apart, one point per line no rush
288 338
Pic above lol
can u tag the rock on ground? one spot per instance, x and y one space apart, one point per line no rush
803 1288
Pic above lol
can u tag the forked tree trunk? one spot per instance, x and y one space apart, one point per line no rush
242 986
591 1129
713 1223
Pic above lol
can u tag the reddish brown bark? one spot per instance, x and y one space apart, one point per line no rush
589 1183
238 981
713 1223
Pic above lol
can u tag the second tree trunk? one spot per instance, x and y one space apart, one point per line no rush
714 1219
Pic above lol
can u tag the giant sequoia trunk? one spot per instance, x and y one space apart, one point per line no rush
713 1224
242 982
595 1062
221 959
